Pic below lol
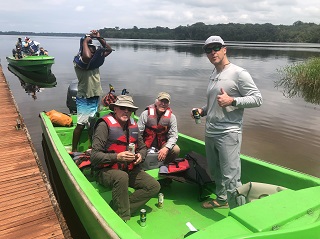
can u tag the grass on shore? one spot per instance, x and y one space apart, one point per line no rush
301 79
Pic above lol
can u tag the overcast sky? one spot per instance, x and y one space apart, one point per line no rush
80 16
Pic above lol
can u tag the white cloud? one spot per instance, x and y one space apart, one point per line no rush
68 16
79 8
244 17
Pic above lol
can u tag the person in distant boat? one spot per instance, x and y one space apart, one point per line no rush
17 52
30 47
158 125
19 42
230 90
43 52
86 65
25 47
118 167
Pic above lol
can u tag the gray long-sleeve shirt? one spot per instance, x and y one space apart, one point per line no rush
237 83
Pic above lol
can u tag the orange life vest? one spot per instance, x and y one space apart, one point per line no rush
155 129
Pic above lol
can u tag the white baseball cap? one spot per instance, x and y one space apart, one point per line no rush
213 39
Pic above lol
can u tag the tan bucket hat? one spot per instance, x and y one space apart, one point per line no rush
124 100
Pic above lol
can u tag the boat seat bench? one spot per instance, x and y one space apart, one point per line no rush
269 215
286 206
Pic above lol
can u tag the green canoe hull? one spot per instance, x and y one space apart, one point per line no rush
33 63
292 213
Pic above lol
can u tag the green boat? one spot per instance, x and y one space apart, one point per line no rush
290 213
33 63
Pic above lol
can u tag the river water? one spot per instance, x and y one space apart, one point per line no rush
282 131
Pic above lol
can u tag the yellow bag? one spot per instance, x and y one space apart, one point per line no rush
59 119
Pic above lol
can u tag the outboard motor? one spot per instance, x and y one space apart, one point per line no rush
71 96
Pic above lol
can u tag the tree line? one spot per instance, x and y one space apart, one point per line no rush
297 32
28 34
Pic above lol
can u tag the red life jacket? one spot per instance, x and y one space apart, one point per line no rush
157 129
82 160
118 141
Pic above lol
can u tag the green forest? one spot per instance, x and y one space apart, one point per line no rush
297 32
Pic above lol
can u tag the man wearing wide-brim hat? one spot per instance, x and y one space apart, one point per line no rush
124 101
118 167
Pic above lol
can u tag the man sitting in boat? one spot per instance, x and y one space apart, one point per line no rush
159 128
30 47
118 164
17 52
43 52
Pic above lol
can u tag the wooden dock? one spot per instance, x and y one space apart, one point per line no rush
28 206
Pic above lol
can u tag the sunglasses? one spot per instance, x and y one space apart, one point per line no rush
208 50
126 108
164 101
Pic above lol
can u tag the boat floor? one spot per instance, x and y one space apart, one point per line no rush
181 205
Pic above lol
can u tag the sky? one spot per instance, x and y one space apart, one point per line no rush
81 16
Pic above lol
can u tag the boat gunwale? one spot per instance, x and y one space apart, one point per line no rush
31 62
30 58
73 179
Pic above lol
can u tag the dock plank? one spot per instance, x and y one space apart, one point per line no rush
28 207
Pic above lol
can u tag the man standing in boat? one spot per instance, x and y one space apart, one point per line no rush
118 164
230 90
86 65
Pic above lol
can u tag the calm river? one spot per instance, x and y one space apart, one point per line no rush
282 131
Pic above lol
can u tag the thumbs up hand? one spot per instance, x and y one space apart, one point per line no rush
222 91
224 99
